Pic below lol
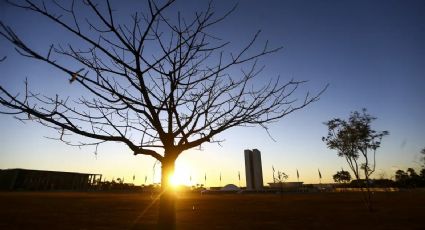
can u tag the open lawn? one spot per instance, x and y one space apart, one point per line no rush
98 210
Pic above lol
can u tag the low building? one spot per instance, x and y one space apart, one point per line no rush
29 179
288 185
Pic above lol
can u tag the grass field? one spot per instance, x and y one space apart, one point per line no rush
69 210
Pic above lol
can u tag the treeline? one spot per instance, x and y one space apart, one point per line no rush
409 178
402 179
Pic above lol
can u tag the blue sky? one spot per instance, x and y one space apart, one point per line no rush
370 52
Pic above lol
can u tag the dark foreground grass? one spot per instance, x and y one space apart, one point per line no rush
68 210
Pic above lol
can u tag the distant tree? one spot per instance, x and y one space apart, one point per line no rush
422 174
157 85
342 177
408 179
281 177
401 177
414 179
354 139
411 172
423 157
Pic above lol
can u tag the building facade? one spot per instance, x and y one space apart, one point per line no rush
29 179
253 169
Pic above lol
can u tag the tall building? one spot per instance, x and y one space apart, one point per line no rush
253 169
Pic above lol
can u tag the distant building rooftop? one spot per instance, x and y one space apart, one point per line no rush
31 179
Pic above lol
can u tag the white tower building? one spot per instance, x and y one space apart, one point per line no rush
253 169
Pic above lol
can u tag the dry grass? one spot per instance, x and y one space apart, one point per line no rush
54 210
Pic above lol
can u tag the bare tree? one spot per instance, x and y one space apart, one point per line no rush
281 177
158 104
357 142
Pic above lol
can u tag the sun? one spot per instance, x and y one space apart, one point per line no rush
180 177
174 181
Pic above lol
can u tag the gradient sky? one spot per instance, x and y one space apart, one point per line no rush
372 53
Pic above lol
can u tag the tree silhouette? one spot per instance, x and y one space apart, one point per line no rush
422 174
401 177
342 176
157 103
354 138
409 178
281 177
412 172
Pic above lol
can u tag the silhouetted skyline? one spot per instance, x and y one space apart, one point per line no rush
371 53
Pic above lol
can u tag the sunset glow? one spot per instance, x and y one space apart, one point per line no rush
212 114
371 60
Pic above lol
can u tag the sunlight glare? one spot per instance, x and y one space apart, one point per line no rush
180 177
174 180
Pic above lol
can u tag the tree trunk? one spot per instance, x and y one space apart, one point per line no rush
167 201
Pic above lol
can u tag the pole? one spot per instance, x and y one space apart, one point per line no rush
298 180
320 176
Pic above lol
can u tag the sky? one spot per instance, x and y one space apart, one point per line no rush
371 53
